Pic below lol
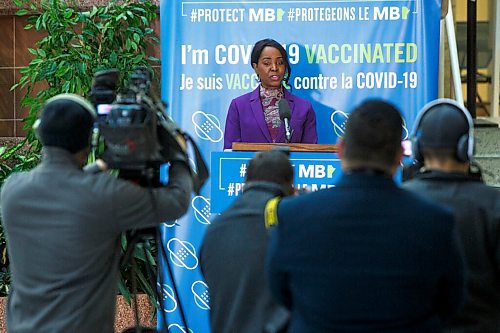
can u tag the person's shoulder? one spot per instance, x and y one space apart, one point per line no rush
244 98
426 208
218 222
412 184
298 100
221 227
293 206
224 220
475 191
484 195
17 180
12 179
484 189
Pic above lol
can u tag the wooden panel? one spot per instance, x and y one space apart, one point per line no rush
325 148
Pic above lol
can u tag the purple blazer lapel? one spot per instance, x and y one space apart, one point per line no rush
258 113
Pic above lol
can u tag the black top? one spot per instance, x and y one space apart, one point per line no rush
476 207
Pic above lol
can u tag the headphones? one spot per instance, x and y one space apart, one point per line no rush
465 144
79 100
69 97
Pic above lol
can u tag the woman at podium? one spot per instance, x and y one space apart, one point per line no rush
270 113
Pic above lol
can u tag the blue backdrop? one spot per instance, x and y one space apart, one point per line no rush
341 53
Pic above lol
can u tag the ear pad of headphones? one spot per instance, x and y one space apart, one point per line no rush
443 124
415 149
463 148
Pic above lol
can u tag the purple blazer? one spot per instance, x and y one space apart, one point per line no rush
245 121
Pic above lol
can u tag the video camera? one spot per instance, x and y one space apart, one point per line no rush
138 136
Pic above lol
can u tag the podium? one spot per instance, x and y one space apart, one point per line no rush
293 147
315 167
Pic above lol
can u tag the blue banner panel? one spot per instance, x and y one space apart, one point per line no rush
341 53
312 172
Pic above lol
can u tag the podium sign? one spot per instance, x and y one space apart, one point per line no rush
312 171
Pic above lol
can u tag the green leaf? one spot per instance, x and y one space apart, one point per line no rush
28 26
144 282
41 53
65 87
151 258
122 287
138 58
22 12
113 58
94 11
137 38
61 71
68 13
35 61
38 23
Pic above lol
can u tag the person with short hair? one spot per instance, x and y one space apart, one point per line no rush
443 141
233 251
63 226
366 255
254 117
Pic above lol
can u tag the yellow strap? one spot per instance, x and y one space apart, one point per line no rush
271 212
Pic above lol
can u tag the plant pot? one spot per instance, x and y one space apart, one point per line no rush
124 313
124 317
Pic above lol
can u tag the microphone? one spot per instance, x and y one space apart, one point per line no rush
285 114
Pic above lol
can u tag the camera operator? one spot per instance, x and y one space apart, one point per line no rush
63 226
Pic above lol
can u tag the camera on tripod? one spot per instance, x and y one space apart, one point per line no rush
137 135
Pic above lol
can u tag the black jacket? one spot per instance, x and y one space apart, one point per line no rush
232 260
365 256
476 208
